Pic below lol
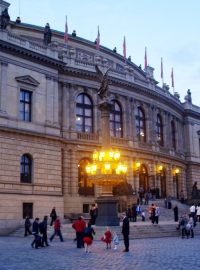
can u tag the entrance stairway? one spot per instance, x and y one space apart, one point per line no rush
139 229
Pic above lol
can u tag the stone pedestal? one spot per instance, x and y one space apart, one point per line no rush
107 211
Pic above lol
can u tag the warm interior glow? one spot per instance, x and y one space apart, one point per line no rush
138 164
160 167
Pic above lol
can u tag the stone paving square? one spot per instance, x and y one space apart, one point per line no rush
152 253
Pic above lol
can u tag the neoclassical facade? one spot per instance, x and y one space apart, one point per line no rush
50 124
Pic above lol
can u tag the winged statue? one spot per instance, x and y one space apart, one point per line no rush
103 78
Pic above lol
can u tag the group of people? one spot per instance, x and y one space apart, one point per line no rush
85 233
135 211
39 229
154 213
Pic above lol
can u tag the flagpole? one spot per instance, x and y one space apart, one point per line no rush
161 74
172 78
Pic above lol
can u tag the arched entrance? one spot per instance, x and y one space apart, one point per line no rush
143 178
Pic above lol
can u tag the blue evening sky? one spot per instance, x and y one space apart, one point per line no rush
168 28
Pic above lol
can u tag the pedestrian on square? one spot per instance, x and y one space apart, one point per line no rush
88 237
93 213
43 231
176 213
79 226
157 214
107 238
115 240
27 226
193 213
35 232
125 232
198 212
53 215
57 230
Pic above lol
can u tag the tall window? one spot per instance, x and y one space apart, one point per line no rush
84 114
25 105
116 121
25 168
140 125
159 130
173 134
84 188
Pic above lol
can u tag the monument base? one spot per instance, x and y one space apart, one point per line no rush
107 211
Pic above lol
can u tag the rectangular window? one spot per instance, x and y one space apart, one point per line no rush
25 105
28 210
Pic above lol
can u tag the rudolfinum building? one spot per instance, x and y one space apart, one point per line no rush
50 124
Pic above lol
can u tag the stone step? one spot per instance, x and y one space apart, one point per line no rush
137 230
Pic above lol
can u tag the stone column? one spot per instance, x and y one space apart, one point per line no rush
49 100
72 110
65 107
3 87
73 172
55 103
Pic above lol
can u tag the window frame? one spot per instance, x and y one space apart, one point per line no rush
140 124
84 117
159 130
25 103
26 179
116 126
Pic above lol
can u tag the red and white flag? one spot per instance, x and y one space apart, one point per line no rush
124 49
98 40
172 77
161 69
66 32
145 58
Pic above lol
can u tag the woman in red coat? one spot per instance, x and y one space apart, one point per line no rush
107 238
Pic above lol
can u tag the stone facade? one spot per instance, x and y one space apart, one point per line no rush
54 76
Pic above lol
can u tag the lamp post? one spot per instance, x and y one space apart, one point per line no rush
107 168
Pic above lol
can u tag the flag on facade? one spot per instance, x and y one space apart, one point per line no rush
124 49
98 40
66 32
161 69
172 77
145 58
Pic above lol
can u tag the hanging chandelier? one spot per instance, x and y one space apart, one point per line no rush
106 168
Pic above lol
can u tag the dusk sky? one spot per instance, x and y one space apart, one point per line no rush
168 28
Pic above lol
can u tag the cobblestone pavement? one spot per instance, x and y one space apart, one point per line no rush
153 253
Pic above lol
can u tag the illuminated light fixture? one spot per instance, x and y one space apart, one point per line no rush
107 168
177 171
142 133
138 164
160 167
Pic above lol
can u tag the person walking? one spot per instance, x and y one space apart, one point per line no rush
35 232
88 237
79 226
125 232
176 213
43 231
27 226
53 215
57 230
193 213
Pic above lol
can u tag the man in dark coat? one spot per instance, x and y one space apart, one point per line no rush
35 233
125 232
53 216
27 226
43 231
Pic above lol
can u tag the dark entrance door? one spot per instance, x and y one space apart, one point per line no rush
28 210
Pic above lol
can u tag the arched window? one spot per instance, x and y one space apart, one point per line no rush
83 186
84 114
173 134
116 121
140 125
26 169
159 130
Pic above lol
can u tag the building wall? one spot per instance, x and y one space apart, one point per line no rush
56 76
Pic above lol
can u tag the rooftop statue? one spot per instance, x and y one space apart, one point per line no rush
103 78
47 34
4 19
